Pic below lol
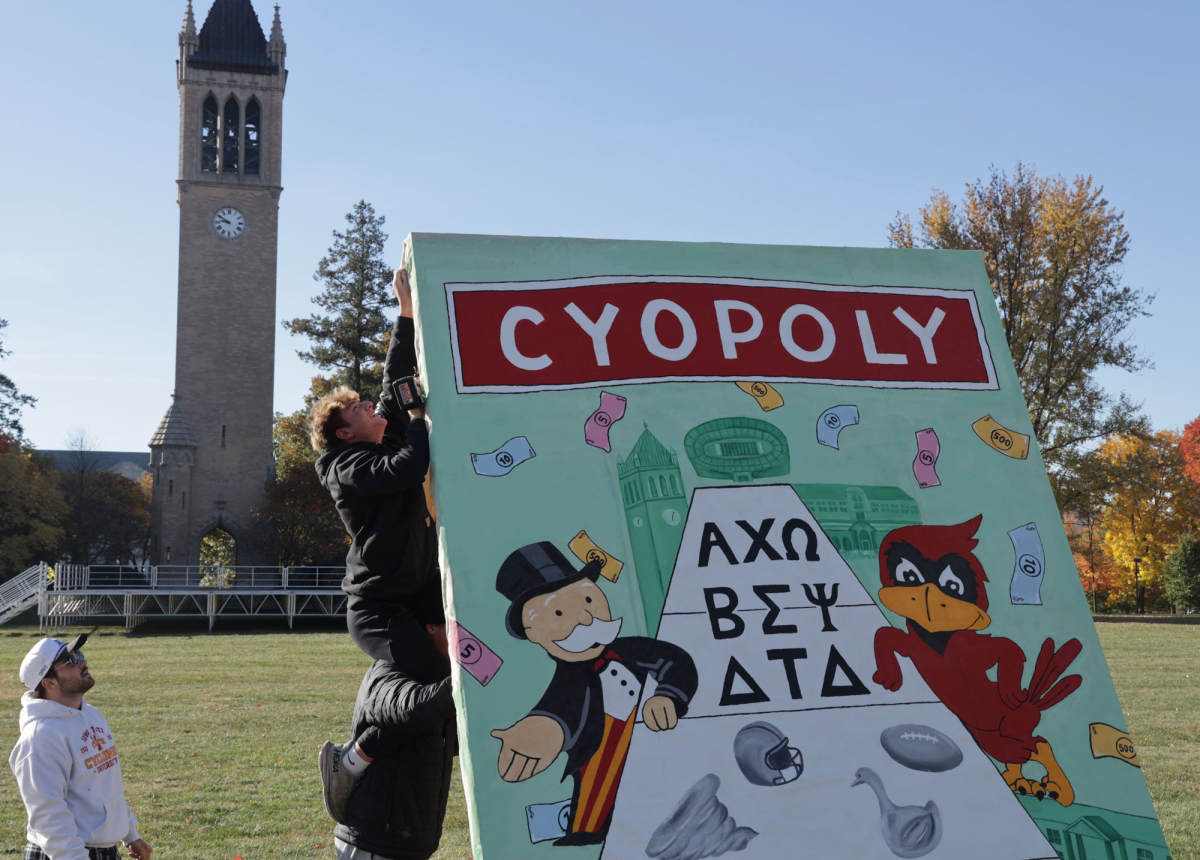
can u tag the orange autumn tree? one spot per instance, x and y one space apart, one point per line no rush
1085 534
1189 448
1150 502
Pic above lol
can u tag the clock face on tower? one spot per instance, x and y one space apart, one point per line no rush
229 223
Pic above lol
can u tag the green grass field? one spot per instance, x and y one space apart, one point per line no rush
219 732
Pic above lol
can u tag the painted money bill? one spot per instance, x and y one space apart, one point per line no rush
928 449
585 550
1030 566
595 430
831 422
477 658
548 820
766 395
504 459
1007 442
1110 742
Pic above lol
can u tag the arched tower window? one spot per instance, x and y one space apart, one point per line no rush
253 127
230 131
662 485
674 487
208 136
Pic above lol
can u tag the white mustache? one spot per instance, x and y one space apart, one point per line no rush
585 636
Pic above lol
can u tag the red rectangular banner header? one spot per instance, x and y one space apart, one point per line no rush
550 335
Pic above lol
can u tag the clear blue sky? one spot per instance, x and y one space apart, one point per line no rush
778 122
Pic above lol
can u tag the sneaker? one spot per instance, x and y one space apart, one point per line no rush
337 783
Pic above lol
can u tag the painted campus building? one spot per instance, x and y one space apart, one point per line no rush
1080 832
858 517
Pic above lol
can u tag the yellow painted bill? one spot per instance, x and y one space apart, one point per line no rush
766 395
1110 742
585 550
1007 442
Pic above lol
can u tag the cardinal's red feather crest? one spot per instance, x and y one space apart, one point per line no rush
935 542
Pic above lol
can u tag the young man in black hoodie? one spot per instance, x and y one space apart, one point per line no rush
373 461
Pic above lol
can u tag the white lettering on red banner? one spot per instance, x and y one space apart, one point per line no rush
586 332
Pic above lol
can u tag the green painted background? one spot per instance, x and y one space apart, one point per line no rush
570 486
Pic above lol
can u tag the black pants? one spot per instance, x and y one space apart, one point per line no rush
33 852
391 631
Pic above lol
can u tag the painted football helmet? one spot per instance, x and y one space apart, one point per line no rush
763 754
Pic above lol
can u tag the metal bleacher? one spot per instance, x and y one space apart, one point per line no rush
67 593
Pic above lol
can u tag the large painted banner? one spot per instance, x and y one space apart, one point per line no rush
749 551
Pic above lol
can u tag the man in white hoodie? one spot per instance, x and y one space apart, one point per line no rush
66 763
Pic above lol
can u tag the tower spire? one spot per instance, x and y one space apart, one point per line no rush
276 47
187 36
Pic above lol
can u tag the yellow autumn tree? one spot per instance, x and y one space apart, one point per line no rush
1150 503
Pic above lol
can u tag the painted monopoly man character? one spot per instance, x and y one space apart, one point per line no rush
588 710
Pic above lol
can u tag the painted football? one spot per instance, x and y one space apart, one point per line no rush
921 748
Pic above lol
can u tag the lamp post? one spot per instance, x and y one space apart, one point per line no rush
1137 589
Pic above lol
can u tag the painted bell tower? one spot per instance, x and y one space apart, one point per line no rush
655 510
210 467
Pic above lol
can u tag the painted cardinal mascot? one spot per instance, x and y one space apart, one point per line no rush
931 577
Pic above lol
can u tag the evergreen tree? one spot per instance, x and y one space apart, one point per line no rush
1183 572
351 337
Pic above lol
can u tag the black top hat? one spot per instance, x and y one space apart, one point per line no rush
536 568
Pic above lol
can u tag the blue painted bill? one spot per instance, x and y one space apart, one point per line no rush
504 459
1026 587
831 422
548 820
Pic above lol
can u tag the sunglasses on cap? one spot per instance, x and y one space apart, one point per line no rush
75 658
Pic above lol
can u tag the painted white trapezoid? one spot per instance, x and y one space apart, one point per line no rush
816 689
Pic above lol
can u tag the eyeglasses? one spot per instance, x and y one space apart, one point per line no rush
75 658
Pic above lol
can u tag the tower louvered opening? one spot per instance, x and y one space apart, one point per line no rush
208 136
230 133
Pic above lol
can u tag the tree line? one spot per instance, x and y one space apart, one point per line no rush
1129 496
1132 523
69 509
1053 249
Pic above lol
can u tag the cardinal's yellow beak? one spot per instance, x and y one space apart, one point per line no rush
934 610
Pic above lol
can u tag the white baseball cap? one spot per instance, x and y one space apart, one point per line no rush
45 654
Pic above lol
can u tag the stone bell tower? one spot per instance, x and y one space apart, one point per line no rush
210 467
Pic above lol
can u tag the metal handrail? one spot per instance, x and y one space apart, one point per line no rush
175 577
310 577
22 586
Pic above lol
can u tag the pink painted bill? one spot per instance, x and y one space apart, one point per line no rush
478 659
612 410
928 449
